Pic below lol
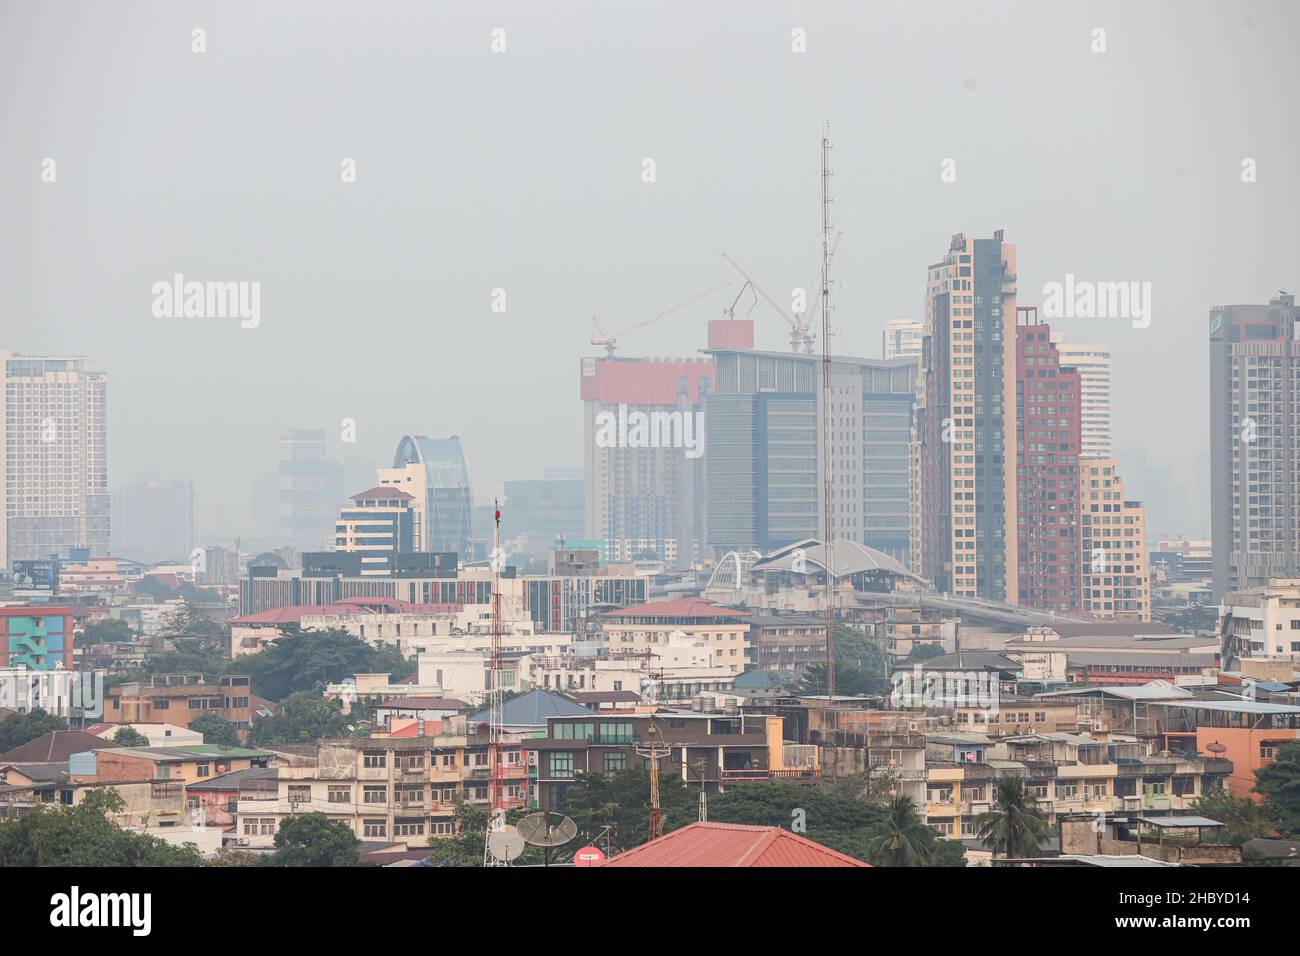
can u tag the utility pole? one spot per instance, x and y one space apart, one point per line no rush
828 396
654 750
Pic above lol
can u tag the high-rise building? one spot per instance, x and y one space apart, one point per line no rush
763 451
1116 578
903 338
643 455
1093 363
379 526
309 489
1254 443
54 474
434 473
156 518
1047 470
963 503
542 511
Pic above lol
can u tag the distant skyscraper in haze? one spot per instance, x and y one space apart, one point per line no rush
544 511
763 450
903 338
1048 411
54 457
309 490
643 443
1254 443
433 471
963 503
1093 363
156 518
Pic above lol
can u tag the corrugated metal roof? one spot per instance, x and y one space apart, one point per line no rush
1231 706
729 845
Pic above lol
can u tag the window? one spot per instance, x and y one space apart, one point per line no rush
300 793
339 794
202 769
615 761
408 829
562 765
374 828
374 758
620 732
375 795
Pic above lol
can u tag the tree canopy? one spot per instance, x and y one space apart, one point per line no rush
84 835
312 839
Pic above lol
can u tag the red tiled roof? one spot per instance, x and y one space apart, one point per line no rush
730 844
382 492
682 607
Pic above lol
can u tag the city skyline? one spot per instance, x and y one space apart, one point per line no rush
341 264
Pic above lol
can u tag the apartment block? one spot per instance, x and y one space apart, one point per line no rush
1116 573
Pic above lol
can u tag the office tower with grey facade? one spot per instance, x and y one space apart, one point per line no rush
1254 443
53 458
308 490
763 450
434 472
154 521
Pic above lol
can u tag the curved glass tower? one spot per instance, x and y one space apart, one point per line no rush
437 467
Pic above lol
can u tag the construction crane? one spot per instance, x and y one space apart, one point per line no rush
610 341
801 338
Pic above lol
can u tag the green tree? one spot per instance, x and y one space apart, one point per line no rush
1015 824
902 839
84 836
622 801
1243 819
192 655
109 630
925 652
18 729
860 667
216 730
308 660
302 718
1279 782
130 737
312 839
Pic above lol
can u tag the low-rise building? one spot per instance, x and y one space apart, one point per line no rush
646 627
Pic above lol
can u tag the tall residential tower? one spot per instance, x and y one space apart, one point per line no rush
53 458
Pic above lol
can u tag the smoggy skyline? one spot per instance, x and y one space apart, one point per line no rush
523 171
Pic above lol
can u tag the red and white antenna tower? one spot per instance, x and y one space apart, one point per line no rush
495 692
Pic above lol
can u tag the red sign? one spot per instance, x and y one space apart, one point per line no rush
588 856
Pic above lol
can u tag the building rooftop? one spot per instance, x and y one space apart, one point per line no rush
422 703
383 493
681 607
732 845
235 780
533 709
57 745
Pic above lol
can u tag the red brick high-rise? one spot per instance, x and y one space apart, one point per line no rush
1048 417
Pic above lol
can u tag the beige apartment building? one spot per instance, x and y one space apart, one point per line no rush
1116 575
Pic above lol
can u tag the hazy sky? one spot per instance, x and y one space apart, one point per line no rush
522 170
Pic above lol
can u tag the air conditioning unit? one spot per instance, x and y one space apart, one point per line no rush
242 841
532 758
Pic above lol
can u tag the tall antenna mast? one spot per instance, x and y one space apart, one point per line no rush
828 460
496 768
655 751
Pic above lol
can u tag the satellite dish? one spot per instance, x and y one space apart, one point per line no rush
547 829
505 844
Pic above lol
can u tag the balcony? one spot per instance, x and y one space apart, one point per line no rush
763 776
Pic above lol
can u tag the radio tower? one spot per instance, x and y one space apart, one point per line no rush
655 751
828 396
496 768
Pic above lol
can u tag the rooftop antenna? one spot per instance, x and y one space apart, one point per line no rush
828 459
496 768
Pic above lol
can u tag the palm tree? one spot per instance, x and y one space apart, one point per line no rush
903 840
1015 824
